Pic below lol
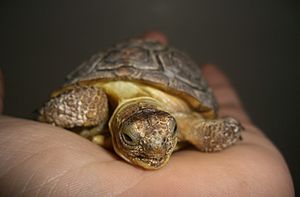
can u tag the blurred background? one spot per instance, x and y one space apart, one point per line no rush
255 42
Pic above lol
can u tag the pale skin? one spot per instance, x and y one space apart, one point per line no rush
42 160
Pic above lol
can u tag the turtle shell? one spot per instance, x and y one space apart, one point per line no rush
152 63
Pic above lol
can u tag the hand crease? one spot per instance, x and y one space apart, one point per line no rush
137 183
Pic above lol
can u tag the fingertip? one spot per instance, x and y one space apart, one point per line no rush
156 35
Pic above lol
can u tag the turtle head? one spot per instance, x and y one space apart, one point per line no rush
146 137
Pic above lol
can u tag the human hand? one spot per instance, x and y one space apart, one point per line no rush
42 160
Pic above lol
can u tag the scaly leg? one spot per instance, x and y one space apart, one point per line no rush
79 108
210 135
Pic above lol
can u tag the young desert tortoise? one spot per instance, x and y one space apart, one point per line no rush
144 98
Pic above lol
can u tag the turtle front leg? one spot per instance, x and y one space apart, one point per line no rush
78 108
211 135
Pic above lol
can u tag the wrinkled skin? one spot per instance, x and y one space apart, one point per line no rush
41 160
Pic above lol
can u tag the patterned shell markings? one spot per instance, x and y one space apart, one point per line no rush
153 63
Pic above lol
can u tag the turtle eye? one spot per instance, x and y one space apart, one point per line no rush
175 129
173 126
127 139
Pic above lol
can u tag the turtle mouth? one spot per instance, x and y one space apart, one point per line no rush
148 162
154 160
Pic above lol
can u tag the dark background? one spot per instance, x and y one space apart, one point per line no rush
255 42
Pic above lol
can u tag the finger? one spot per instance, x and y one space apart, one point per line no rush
156 35
1 91
226 96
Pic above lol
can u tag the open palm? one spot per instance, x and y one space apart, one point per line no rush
43 160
